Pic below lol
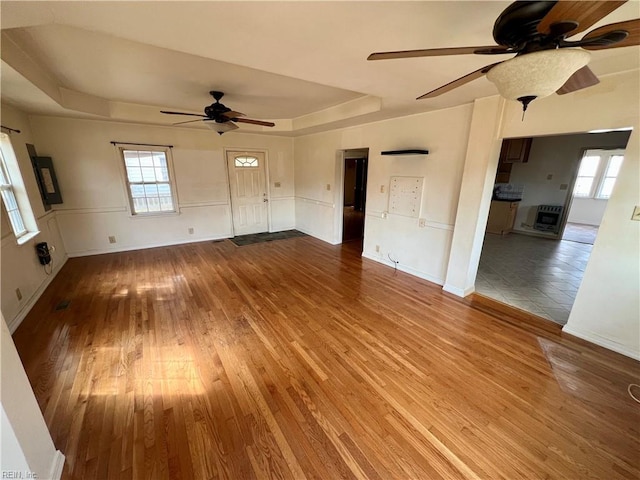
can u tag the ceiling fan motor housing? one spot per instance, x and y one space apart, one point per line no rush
517 24
215 112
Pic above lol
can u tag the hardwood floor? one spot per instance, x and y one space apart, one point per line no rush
298 359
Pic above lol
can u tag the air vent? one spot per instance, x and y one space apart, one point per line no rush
63 305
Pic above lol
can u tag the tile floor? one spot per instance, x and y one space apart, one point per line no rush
538 275
578 232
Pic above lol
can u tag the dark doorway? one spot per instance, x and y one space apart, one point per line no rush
355 192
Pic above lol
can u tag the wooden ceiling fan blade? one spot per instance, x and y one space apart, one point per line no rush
188 121
583 78
458 82
232 114
254 122
584 13
632 27
183 113
437 52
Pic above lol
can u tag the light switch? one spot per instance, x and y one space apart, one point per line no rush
636 213
328 186
381 188
276 184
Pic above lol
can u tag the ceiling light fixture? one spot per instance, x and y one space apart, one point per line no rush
221 127
537 74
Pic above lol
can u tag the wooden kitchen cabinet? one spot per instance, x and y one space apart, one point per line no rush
515 150
502 215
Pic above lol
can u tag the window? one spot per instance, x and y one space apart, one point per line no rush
610 175
597 173
586 176
246 161
14 196
149 183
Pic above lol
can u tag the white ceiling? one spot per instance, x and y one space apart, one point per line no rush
300 64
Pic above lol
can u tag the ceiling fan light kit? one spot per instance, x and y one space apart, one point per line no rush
220 127
537 74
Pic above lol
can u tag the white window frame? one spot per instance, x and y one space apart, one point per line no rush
127 183
603 165
612 153
24 227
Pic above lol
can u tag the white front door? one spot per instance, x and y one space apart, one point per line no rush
247 182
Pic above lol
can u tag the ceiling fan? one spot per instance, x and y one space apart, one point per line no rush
545 61
218 117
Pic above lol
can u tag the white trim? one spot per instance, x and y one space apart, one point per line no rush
204 204
459 292
405 269
439 226
593 337
281 199
428 223
315 202
315 235
173 184
55 472
338 197
83 211
100 251
15 322
21 240
46 214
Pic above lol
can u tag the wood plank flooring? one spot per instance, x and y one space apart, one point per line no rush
298 359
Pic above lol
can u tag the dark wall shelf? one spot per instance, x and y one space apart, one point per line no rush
405 152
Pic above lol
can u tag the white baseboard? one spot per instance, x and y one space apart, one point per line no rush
55 472
602 341
15 322
459 292
314 235
130 248
405 269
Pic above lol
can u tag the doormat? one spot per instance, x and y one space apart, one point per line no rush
243 240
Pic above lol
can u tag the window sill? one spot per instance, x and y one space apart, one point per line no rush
154 215
26 237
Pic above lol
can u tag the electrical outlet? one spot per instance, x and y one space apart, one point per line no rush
384 214
112 239
18 294
190 230
550 177
422 223
377 248
636 213
564 186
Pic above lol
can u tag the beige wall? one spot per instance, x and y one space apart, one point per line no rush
558 156
95 201
459 173
422 251
20 266
607 308
25 445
